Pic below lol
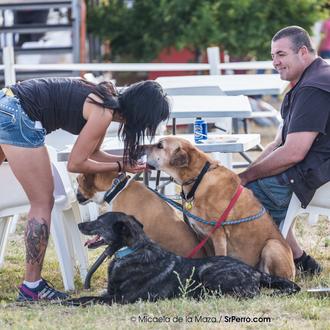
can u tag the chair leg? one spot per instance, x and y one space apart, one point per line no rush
14 223
57 229
4 233
293 209
74 239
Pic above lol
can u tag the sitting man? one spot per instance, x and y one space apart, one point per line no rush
298 160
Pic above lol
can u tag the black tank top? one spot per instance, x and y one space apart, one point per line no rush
55 102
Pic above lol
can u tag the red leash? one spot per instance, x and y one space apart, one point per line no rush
223 217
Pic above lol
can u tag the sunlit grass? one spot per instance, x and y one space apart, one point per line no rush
298 311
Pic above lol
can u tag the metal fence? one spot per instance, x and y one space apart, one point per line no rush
213 66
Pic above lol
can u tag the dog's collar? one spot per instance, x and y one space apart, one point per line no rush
126 250
123 252
190 181
117 185
196 181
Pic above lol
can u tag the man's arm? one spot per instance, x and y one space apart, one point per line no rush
292 152
270 147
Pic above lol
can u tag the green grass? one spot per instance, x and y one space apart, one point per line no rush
301 311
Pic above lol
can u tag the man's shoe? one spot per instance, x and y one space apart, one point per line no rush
44 291
308 265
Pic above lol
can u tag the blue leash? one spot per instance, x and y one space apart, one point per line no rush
211 223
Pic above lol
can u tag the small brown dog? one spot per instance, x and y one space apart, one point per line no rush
257 243
161 222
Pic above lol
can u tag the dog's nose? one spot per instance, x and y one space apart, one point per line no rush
81 198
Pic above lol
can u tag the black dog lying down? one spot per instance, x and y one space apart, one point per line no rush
145 271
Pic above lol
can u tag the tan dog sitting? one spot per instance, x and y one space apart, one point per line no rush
258 242
161 222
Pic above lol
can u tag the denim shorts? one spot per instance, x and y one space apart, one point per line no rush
274 193
16 128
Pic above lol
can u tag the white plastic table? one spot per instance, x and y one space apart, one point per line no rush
215 143
237 84
184 106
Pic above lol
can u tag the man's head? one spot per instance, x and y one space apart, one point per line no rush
292 52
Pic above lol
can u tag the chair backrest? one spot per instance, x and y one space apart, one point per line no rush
61 176
12 194
13 199
322 197
59 139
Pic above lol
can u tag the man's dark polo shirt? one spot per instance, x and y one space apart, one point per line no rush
306 108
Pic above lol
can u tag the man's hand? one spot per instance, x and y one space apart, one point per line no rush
244 178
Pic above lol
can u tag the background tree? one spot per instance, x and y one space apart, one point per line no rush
135 32
139 30
248 25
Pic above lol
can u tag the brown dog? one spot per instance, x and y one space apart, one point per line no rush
258 243
161 222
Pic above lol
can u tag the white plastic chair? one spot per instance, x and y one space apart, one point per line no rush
320 204
69 210
64 231
56 141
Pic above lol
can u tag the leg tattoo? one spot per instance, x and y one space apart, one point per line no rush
36 240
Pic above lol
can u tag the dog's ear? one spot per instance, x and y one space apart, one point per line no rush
125 229
89 180
180 158
86 181
121 229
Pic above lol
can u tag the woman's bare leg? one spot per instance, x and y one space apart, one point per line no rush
32 168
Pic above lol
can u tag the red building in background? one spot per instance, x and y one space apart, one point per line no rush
185 55
174 56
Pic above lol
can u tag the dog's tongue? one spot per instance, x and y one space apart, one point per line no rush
94 242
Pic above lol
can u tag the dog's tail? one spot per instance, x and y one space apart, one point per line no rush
283 285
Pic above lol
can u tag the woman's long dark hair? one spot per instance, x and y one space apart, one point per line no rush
143 106
107 92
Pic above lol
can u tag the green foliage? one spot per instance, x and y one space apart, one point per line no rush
135 33
248 25
243 27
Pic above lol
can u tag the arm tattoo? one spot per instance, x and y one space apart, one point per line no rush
36 240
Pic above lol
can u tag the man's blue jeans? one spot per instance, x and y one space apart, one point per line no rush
274 193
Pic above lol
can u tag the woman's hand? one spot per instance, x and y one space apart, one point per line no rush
138 168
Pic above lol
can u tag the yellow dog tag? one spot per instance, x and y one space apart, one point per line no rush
188 205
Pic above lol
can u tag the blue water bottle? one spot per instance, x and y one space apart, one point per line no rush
198 130
204 129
